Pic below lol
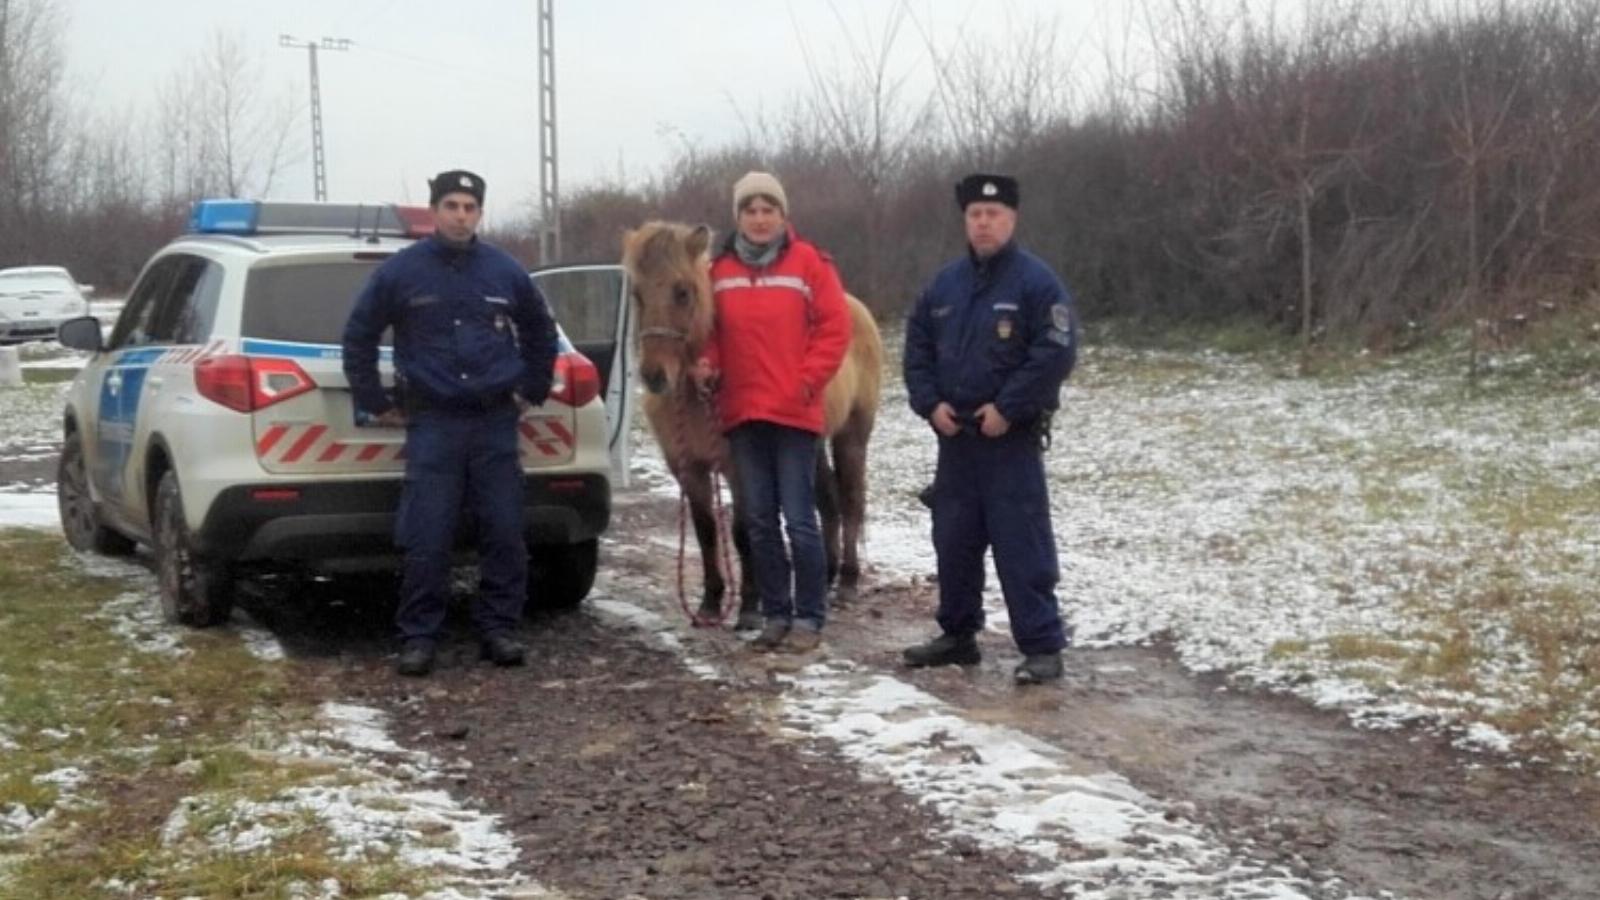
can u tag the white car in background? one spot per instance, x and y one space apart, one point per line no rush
35 300
216 425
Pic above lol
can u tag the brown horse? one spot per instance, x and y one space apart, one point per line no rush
669 268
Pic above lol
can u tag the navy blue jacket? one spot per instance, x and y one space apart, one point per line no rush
1000 330
469 328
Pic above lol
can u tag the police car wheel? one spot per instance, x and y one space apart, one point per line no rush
194 591
80 520
560 575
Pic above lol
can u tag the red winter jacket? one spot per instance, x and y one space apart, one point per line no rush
780 334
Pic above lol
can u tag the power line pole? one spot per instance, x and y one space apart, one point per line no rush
319 166
549 192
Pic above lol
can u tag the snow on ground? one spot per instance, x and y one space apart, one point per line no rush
1256 520
1093 832
1259 521
377 806
28 508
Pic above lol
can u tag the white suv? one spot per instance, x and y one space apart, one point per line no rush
215 423
35 300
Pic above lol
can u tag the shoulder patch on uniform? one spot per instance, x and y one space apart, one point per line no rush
1061 316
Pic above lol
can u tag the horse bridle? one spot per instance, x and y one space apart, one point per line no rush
663 332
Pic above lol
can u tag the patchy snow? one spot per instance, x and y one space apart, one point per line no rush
136 616
373 807
1253 519
25 508
1091 831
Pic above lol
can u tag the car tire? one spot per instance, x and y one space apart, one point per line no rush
80 518
560 575
194 590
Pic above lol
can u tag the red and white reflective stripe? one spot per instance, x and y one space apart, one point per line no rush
547 435
192 353
291 444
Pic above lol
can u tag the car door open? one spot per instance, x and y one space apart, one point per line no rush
590 303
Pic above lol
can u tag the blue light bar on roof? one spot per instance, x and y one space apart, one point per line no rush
247 217
225 216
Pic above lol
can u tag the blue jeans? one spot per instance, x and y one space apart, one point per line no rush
777 471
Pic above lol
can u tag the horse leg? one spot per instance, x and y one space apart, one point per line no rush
696 483
850 465
749 595
827 492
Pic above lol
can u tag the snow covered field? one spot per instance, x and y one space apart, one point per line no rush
1393 543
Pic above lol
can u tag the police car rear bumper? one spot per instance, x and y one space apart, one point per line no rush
320 521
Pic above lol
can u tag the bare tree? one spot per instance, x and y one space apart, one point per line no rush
221 130
32 125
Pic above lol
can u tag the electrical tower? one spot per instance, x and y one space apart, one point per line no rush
319 165
549 191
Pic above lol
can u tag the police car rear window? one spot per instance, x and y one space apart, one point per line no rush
307 303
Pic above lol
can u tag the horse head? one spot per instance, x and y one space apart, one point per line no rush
670 271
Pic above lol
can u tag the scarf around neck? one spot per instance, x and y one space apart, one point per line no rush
758 256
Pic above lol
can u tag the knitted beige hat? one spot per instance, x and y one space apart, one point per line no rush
759 184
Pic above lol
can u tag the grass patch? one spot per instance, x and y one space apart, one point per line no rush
147 731
48 375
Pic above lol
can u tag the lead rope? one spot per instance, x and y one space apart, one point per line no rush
730 595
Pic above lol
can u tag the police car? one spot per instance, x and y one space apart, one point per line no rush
215 424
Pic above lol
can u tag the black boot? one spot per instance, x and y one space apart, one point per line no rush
944 650
1038 667
503 650
416 659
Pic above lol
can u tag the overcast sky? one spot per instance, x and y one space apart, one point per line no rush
428 85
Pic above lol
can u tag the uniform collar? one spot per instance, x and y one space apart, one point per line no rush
991 263
450 253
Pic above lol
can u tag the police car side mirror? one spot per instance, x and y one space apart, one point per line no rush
82 333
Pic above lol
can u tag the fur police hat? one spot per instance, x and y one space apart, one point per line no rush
759 184
454 181
980 188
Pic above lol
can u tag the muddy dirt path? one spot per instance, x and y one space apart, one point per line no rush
1278 781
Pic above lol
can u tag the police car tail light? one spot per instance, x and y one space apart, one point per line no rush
246 383
577 381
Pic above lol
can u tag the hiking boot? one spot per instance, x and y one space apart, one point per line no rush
1038 667
416 659
772 634
944 650
503 650
802 640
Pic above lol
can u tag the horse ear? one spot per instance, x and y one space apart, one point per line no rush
699 240
627 240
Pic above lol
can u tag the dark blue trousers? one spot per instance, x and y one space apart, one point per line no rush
777 468
457 462
991 493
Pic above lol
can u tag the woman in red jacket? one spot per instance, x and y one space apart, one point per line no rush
781 332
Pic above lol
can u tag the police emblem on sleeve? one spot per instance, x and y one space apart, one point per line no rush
1002 328
1061 317
1061 324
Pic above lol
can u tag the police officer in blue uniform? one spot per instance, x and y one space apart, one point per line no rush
987 348
473 341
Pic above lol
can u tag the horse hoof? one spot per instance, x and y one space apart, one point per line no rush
844 596
749 620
